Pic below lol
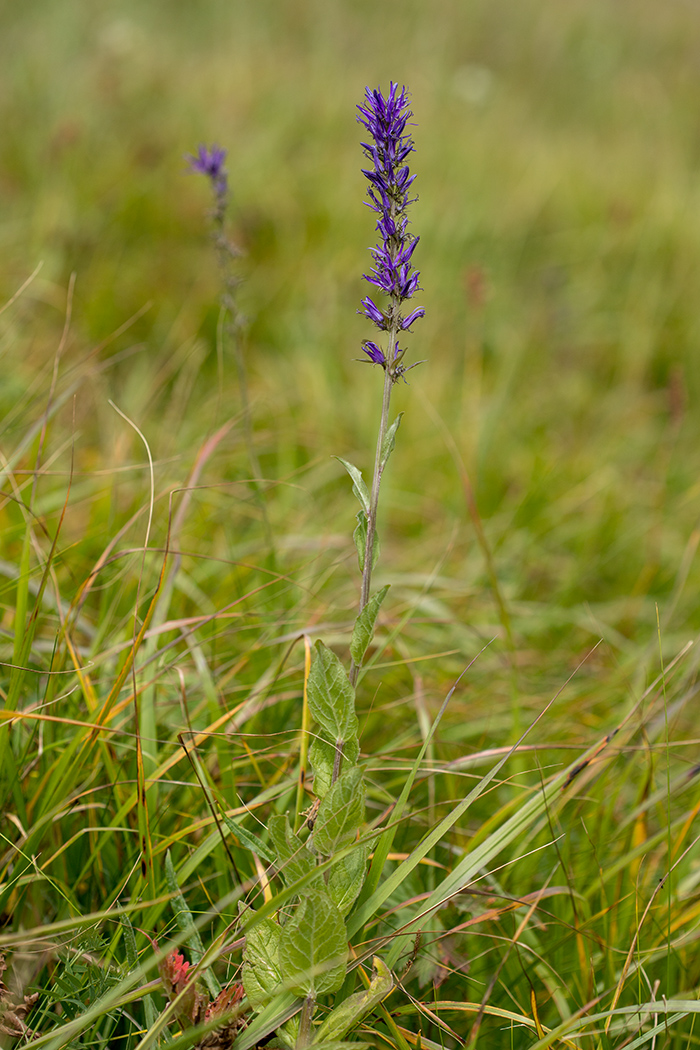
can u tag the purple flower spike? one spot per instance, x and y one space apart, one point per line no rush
389 183
210 162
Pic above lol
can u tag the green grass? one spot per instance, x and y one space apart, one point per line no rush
559 215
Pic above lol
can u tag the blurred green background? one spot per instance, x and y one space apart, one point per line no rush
559 216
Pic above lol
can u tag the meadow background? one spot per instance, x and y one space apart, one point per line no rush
544 495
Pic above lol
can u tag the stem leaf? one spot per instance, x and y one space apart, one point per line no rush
358 486
293 859
363 630
322 759
340 813
346 878
360 538
389 442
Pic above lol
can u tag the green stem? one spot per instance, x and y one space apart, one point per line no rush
307 1012
374 497
233 327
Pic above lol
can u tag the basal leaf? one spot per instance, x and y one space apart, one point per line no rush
363 630
355 1007
261 967
331 697
358 485
313 947
340 813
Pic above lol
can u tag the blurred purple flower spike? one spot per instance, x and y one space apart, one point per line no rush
210 162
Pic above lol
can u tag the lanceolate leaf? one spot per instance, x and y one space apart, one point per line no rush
185 921
341 812
364 625
331 697
358 485
389 442
249 839
360 538
313 947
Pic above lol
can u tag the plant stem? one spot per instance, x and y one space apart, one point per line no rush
234 328
307 1012
389 380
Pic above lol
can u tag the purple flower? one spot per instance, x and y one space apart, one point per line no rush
406 322
374 353
210 162
373 313
389 183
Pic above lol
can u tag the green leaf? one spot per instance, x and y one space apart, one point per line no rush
363 630
293 859
358 486
249 839
354 1008
360 538
132 957
261 967
288 1033
340 813
322 758
184 919
331 697
313 948
336 1044
346 877
389 442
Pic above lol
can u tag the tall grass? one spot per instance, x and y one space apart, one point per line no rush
540 513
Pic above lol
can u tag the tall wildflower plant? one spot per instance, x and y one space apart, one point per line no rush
390 182
323 861
209 161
